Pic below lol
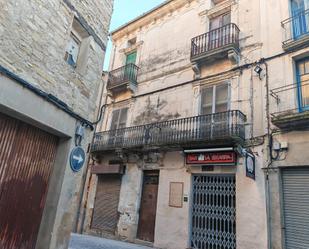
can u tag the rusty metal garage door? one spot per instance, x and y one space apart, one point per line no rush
27 155
105 214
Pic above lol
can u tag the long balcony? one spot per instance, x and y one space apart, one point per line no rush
225 128
296 31
123 78
217 43
291 106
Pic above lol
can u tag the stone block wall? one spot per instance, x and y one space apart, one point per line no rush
33 39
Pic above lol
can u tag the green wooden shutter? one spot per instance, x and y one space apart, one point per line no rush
131 58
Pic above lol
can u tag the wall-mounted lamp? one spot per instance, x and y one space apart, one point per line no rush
79 134
258 70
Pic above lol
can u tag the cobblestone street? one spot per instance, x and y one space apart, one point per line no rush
90 242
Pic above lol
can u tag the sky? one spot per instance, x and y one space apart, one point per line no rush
124 11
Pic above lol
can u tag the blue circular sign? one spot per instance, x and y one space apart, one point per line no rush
77 158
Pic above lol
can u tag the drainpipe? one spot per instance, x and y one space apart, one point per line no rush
270 161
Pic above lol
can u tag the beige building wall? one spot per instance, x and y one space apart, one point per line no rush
168 86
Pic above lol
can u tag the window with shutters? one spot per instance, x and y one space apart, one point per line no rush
119 119
220 21
215 99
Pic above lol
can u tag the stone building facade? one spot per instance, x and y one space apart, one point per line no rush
51 64
204 135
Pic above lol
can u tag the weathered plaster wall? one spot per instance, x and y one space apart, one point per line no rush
130 195
172 222
164 63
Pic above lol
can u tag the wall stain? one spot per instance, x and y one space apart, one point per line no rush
153 113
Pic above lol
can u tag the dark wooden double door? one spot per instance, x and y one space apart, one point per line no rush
148 208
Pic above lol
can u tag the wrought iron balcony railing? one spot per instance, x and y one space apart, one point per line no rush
215 39
122 75
225 126
296 27
290 108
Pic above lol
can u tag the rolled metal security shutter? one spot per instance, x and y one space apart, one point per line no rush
27 156
295 184
105 214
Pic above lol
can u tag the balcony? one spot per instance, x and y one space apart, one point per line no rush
226 128
123 78
216 44
295 31
292 111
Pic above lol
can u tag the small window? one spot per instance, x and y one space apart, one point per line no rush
72 52
77 48
132 42
215 2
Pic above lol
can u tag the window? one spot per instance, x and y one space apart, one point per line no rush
119 119
131 58
219 37
77 49
132 42
303 84
220 21
215 2
72 51
215 99
300 17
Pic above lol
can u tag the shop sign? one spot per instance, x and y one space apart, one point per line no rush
250 165
212 158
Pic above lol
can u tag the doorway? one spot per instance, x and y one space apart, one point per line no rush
27 156
148 209
213 213
105 213
300 17
302 67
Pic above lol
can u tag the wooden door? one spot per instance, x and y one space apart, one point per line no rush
148 209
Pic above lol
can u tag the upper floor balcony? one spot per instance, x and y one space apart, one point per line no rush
296 30
218 43
123 78
292 106
225 128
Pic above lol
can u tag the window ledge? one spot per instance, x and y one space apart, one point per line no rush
132 48
220 8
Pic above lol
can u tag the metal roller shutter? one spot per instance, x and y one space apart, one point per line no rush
213 212
27 156
295 183
105 214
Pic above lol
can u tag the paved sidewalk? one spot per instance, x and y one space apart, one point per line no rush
89 242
